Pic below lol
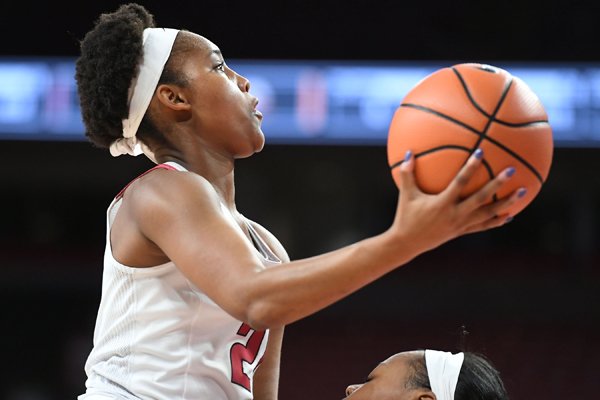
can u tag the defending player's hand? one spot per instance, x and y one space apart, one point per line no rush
429 220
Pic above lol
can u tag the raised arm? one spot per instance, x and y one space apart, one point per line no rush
183 217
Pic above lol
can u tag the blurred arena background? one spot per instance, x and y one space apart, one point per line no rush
528 293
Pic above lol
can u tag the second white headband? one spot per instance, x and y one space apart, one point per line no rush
443 369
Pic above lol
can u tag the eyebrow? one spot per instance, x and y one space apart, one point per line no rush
217 52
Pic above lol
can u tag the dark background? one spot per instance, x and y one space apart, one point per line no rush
528 293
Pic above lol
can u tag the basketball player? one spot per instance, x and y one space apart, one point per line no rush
193 296
431 375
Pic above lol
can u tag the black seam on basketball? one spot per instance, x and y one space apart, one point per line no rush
433 150
521 124
457 122
518 157
483 134
488 168
490 175
441 115
481 110
468 92
467 150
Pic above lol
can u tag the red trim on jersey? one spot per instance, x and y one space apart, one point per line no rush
163 166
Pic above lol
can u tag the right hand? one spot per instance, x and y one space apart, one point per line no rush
429 220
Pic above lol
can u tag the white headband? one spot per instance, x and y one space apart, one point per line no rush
443 369
158 43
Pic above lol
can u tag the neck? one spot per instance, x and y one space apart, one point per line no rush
216 169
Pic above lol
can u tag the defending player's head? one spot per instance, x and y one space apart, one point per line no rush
431 375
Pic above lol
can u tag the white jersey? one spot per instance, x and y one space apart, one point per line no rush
157 336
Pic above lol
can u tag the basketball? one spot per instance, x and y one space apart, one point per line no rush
454 111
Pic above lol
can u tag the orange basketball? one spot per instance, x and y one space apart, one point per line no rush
456 110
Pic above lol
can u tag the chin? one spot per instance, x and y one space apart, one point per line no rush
260 147
255 147
259 144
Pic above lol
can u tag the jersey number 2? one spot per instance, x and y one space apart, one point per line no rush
240 353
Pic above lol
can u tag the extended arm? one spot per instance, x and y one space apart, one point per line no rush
184 219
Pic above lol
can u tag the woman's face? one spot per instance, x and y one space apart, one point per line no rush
388 381
225 114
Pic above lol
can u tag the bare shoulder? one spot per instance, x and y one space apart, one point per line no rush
157 207
169 193
271 240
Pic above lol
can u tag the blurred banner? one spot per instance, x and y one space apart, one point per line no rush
303 102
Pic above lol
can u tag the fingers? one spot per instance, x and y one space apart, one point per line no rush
484 194
502 204
407 176
464 175
492 215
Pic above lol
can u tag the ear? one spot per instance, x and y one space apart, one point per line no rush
425 394
172 97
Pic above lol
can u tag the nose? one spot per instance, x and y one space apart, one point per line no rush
243 83
351 389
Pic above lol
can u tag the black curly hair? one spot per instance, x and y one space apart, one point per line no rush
478 378
109 60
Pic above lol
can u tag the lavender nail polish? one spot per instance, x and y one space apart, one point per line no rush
510 172
478 154
408 155
521 192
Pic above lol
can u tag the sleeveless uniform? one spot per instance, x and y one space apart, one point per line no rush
157 336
